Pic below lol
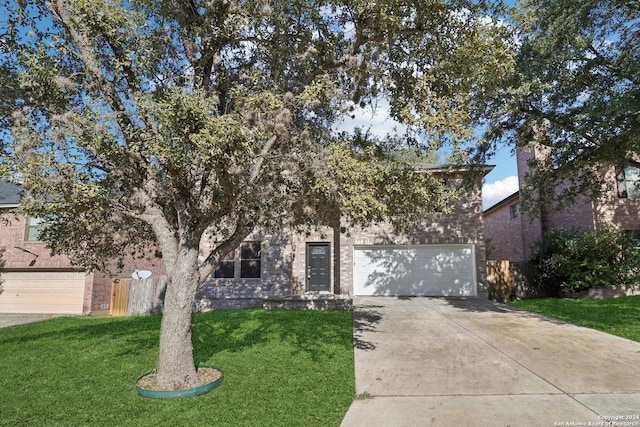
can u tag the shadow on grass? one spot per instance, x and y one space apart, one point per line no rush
281 368
309 331
213 332
138 334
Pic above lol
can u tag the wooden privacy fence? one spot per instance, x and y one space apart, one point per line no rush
130 296
499 280
509 280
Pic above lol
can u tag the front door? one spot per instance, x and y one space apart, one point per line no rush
318 267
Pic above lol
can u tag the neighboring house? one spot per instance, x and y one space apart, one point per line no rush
511 234
33 281
446 257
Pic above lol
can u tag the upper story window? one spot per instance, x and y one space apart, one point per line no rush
34 227
243 263
515 211
629 183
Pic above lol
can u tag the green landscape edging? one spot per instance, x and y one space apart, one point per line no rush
177 394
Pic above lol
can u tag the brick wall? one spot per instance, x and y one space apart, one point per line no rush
15 246
532 227
13 255
283 260
609 211
612 211
504 233
276 262
464 225
579 215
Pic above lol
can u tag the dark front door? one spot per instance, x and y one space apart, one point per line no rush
318 267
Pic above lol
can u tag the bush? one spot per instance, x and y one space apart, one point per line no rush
569 260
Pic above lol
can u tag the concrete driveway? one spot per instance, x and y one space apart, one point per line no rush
470 362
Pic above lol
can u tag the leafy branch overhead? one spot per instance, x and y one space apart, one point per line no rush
138 121
208 113
575 89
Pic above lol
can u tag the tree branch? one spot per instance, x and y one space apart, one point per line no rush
88 58
155 217
257 166
212 261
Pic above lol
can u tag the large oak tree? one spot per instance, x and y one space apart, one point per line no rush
141 121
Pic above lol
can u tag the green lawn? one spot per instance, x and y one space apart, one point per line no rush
284 368
617 316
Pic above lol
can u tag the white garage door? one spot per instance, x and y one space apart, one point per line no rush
429 270
42 292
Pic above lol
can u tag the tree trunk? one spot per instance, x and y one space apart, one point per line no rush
176 369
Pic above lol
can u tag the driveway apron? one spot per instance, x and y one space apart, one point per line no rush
471 362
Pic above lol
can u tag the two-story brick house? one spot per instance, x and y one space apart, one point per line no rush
511 233
444 257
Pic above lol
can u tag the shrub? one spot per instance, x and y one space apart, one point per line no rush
569 260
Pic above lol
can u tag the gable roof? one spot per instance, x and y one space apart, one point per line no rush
507 200
9 195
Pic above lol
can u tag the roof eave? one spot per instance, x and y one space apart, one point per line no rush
457 168
501 203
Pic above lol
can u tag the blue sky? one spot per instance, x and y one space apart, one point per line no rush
502 181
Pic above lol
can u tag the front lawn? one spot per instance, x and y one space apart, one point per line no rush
292 368
617 316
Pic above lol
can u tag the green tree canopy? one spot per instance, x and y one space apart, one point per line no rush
142 121
575 89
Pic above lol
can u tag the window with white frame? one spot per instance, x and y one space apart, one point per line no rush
34 227
629 183
242 263
515 211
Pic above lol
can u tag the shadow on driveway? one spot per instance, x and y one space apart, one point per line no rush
365 319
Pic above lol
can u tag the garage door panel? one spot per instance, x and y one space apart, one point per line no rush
428 270
42 292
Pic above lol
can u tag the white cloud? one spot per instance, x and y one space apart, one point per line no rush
376 120
496 191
